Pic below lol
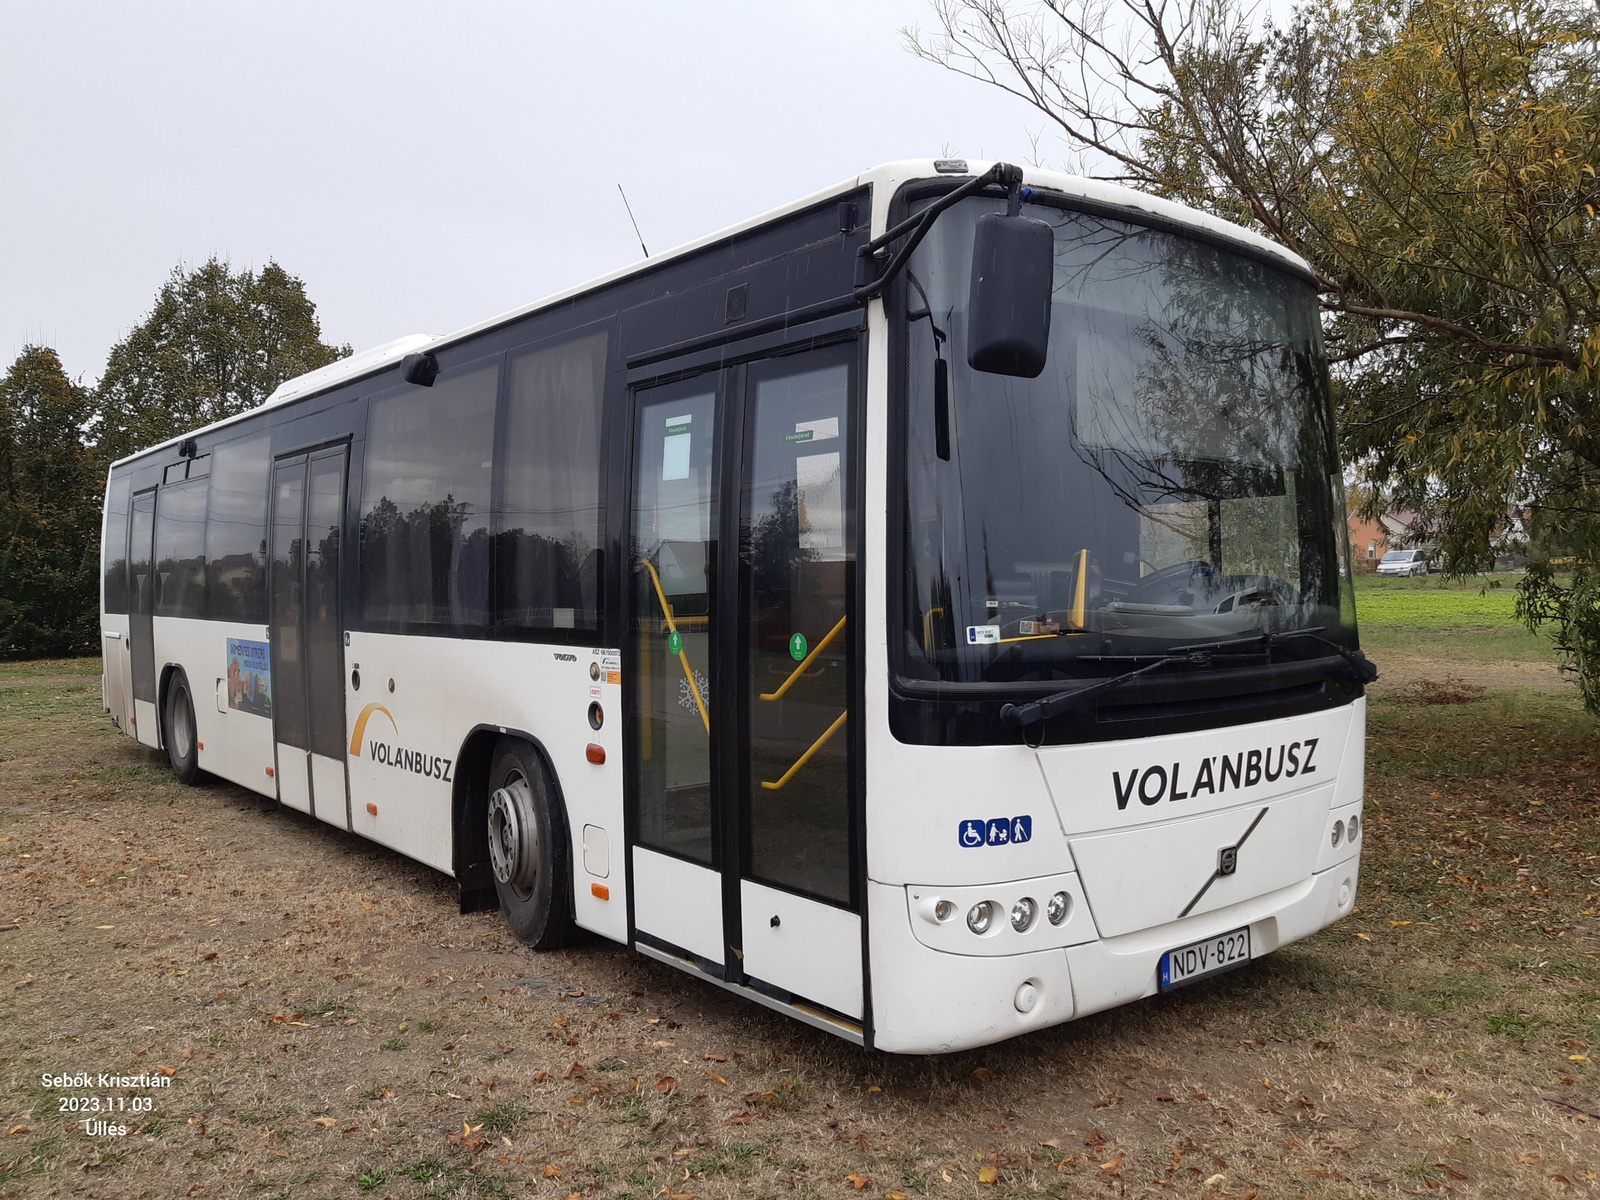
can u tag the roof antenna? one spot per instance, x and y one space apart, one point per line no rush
636 232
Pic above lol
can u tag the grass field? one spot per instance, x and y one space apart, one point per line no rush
332 1027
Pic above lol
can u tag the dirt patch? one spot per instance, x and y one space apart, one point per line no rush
331 1026
1400 671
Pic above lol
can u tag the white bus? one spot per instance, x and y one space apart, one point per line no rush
923 609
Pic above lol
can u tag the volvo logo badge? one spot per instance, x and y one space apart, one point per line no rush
1227 860
1227 864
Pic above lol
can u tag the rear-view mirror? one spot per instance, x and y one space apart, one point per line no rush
1008 311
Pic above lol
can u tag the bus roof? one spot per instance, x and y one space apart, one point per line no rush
885 180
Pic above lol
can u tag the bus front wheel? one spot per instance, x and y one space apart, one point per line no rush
178 731
529 848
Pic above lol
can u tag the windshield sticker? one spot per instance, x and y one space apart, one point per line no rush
675 449
1037 628
983 635
996 831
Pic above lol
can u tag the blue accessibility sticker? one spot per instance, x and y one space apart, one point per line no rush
996 831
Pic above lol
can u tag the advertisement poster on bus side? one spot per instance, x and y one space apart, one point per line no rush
250 677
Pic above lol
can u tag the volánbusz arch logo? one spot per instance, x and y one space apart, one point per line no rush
388 754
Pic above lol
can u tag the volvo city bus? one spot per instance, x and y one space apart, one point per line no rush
924 609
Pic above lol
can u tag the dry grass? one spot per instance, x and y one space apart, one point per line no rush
291 976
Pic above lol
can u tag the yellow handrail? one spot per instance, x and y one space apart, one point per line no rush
688 673
1080 592
806 757
805 662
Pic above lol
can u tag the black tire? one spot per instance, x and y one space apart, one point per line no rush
537 899
179 732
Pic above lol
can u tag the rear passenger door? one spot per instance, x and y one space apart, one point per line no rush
305 631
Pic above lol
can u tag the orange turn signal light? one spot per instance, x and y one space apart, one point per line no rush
596 753
373 809
269 771
600 890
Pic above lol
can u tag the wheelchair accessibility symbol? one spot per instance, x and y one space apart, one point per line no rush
996 831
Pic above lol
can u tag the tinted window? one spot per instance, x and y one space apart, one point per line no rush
114 546
425 502
236 530
181 549
548 524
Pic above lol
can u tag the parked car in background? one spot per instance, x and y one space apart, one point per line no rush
1404 562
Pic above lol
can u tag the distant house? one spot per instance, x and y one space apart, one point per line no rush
1370 540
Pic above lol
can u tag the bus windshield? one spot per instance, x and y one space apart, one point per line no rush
1169 479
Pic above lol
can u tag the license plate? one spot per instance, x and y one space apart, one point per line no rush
1199 960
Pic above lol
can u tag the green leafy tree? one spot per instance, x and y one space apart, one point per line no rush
50 491
217 342
1435 161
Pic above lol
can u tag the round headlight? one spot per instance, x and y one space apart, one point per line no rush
1059 906
980 916
1338 832
1355 828
1023 912
945 909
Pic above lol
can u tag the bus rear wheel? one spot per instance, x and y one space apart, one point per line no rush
529 850
178 731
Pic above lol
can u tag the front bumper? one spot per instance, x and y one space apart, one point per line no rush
927 1001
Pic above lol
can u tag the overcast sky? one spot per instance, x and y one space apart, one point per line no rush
424 166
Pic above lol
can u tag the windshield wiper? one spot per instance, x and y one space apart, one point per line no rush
1022 715
1365 669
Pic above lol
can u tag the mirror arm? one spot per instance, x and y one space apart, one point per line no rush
874 273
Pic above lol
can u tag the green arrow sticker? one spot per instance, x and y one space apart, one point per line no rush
797 647
675 642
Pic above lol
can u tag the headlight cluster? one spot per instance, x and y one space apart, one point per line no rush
1024 913
1347 829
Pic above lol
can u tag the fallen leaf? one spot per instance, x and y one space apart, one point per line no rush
188 1053
1363 937
1094 1138
1167 1098
165 1070
1527 1158
946 1176
874 1088
1399 922
982 1073
576 1071
718 1078
716 1058
551 1171
894 1196
1112 1164
325 1122
666 1084
1577 1058
208 957
858 1181
989 1176
1053 1143
1214 1181
1450 1171
18 1129
739 1119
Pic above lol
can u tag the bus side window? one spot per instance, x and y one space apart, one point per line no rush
548 527
236 530
425 502
180 549
114 548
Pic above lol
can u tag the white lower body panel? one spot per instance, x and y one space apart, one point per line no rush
328 793
294 782
809 949
679 902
